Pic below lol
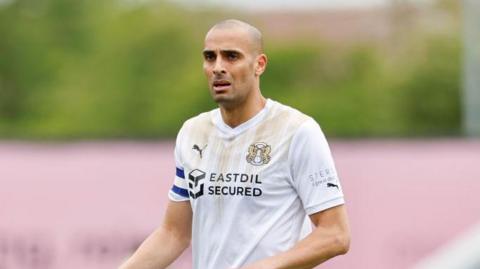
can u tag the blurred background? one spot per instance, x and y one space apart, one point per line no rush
92 94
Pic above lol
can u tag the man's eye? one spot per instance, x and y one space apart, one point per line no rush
209 56
232 55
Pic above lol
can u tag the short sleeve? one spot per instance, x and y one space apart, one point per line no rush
313 170
179 190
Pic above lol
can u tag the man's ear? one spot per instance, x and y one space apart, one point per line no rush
261 64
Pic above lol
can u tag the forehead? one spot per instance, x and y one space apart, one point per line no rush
228 39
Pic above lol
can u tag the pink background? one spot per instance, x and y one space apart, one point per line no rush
88 205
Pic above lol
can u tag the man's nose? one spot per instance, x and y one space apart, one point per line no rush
219 68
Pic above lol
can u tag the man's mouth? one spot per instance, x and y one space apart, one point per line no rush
221 85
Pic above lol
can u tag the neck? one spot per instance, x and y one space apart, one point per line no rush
234 116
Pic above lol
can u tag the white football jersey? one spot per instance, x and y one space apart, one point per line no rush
252 186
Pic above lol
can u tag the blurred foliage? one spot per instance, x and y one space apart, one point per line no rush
114 69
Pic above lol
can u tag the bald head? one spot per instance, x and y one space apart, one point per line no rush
253 34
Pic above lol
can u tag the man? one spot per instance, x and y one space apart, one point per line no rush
248 174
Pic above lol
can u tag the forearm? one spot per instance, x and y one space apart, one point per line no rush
321 245
159 250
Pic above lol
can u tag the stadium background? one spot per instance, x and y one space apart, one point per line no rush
92 94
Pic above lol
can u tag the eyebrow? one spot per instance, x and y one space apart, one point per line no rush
223 51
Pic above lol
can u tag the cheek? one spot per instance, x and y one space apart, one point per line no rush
207 70
244 73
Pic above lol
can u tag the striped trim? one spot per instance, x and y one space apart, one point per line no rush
180 191
180 182
180 173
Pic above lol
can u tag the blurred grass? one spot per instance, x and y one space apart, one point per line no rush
110 69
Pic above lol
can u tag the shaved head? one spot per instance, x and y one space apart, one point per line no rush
233 61
254 35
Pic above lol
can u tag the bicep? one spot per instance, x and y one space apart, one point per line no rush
178 218
332 223
335 217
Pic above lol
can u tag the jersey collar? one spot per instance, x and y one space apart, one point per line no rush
229 132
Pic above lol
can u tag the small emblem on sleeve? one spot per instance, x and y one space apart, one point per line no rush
258 154
331 185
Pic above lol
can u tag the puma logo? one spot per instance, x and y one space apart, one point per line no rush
200 150
330 185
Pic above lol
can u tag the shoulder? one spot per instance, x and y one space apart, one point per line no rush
290 117
303 129
196 130
198 123
309 140
309 130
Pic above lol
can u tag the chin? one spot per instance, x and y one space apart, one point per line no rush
221 99
224 101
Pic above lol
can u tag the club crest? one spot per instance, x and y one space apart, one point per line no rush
258 154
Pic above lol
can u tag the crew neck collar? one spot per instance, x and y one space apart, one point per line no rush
228 131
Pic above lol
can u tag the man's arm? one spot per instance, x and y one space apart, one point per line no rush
167 242
331 237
